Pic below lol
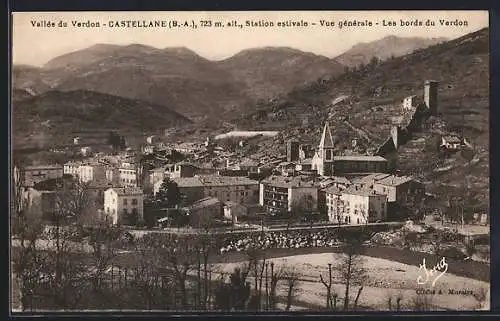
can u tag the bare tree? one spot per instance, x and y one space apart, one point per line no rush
350 267
276 276
422 302
103 240
28 260
394 302
328 286
146 276
67 269
291 275
257 262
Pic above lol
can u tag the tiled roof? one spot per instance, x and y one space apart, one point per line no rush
40 167
123 191
369 178
213 180
452 139
360 158
361 192
333 190
204 202
287 182
394 180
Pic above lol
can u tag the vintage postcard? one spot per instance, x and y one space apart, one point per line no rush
251 161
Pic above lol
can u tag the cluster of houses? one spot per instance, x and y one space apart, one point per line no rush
348 189
310 179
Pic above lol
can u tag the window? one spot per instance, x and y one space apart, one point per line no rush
134 211
134 201
124 201
107 209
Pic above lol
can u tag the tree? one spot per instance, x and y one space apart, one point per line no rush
234 295
27 259
276 276
374 61
422 302
114 140
291 275
146 271
390 302
103 239
350 266
328 286
169 194
123 143
66 269
302 206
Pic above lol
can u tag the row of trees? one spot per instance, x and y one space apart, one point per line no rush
75 263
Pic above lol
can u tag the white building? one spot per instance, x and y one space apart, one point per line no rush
409 103
355 205
152 140
280 194
128 175
451 142
72 168
124 205
86 151
92 173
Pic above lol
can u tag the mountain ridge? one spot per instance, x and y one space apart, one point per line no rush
384 48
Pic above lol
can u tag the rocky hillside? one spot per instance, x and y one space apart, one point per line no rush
363 104
390 46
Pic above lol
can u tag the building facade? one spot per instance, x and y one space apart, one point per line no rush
32 175
285 194
92 173
128 175
292 150
124 206
236 189
343 165
72 168
355 205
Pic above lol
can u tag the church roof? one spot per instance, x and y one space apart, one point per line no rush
326 138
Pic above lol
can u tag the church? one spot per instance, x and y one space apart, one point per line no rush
325 163
322 160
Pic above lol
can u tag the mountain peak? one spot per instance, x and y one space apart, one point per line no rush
384 48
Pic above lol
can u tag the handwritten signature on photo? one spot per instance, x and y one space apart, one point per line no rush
433 274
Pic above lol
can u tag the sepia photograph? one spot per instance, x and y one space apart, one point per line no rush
249 161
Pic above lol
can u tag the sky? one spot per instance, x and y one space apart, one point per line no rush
37 45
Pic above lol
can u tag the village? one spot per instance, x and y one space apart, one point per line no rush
192 184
